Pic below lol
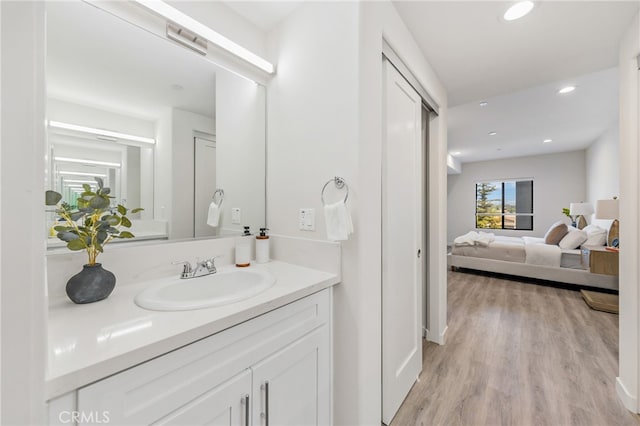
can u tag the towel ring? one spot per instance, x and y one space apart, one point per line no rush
220 194
340 183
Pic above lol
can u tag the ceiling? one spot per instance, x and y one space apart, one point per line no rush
264 14
477 55
522 120
517 67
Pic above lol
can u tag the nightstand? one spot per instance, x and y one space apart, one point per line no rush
600 260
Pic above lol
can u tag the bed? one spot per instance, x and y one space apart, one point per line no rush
529 257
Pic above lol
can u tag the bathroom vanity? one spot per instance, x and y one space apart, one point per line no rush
264 360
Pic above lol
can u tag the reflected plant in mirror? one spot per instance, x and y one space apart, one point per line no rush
163 126
91 222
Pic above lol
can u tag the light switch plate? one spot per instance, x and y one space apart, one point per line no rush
236 216
307 219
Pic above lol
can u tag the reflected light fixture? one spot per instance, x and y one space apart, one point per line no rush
547 140
84 161
174 15
484 103
105 134
70 173
518 10
566 89
493 133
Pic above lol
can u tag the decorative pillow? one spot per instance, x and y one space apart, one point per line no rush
555 233
596 236
573 240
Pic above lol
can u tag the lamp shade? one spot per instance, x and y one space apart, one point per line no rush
607 209
580 209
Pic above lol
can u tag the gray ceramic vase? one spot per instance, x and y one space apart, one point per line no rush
91 284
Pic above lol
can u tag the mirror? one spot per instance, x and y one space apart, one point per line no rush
162 125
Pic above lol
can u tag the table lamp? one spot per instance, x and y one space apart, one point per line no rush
579 211
608 209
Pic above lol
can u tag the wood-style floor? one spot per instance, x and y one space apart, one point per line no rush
518 354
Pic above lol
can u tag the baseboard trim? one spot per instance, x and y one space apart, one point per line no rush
437 338
629 401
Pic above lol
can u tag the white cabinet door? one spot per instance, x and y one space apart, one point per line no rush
401 240
291 387
224 405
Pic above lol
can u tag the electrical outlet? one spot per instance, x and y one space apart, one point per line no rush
236 216
307 219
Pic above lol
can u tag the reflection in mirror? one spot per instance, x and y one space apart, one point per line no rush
163 126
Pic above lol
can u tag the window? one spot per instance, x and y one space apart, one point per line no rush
505 205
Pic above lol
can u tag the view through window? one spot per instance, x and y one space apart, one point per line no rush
505 204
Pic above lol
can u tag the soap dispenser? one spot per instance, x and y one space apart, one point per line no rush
243 249
262 246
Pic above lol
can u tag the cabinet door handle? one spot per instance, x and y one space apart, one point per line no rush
265 386
246 410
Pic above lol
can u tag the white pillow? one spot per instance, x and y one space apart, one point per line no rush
596 236
573 240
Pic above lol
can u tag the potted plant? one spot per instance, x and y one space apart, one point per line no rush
89 226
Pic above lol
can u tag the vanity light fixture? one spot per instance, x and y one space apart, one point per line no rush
70 173
168 12
105 134
566 89
83 161
547 140
518 10
90 182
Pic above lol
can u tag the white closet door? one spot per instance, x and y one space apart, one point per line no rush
401 241
204 185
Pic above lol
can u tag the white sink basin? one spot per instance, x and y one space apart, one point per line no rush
222 288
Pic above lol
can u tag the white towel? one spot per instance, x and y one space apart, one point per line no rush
213 217
338 219
485 238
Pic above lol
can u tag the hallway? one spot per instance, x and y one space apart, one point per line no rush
518 354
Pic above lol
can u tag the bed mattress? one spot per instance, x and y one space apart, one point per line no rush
511 249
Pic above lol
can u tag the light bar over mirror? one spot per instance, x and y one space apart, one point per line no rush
190 24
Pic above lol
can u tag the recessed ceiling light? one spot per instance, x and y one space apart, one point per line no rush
518 10
567 89
456 153
493 133
484 103
547 140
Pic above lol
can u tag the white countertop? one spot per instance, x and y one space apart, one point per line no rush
93 341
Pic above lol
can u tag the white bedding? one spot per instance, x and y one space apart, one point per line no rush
542 254
531 250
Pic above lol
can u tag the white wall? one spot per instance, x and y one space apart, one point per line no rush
241 150
22 218
603 160
175 167
628 380
312 137
324 114
83 115
558 179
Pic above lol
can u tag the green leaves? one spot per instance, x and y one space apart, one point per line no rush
93 223
76 245
51 198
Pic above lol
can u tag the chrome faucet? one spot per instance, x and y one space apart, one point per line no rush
201 268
